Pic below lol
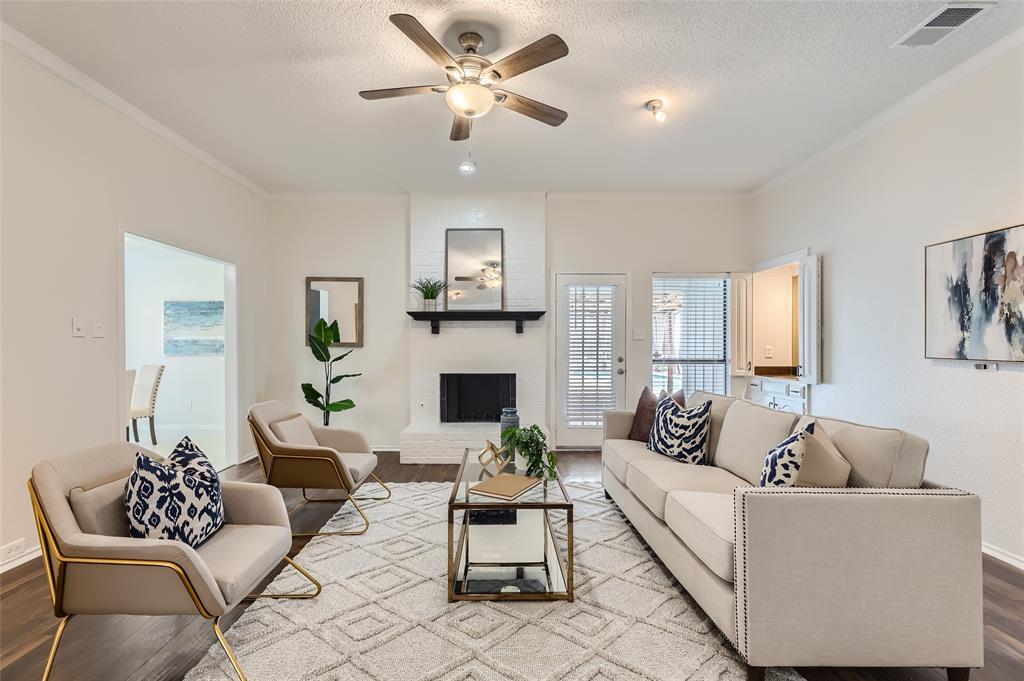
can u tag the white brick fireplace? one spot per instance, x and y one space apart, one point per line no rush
476 347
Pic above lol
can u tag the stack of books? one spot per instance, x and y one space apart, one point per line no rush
505 486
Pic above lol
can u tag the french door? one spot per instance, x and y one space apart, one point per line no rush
590 359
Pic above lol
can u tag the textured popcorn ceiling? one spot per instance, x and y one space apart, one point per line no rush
751 88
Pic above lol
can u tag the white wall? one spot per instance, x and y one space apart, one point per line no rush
343 237
75 172
191 398
642 235
950 164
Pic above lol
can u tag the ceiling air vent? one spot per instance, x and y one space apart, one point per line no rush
942 23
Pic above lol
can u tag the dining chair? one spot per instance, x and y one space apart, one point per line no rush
128 387
144 399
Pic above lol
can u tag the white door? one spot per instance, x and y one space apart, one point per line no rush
590 360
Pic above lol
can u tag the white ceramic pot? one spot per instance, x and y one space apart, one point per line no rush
430 304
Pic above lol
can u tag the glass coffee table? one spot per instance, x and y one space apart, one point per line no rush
508 550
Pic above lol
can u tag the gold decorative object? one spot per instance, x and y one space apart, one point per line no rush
493 454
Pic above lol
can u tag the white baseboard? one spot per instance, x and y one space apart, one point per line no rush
22 559
430 458
1005 556
248 457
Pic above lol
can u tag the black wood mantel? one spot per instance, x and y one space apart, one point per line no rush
436 317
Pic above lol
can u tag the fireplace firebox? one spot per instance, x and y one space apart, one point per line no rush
476 397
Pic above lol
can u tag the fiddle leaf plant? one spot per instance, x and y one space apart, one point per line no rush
320 340
532 445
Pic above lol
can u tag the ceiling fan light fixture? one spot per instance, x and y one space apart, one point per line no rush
467 167
469 100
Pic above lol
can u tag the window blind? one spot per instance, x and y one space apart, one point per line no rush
689 334
590 386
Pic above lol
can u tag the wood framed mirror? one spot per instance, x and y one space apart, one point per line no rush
474 269
338 298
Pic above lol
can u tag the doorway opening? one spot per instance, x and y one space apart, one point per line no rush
179 340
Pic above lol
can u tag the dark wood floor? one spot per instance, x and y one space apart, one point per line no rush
164 648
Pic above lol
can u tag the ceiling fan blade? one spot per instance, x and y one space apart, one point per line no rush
467 279
387 93
547 49
414 30
460 128
530 107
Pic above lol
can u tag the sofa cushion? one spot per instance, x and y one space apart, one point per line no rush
294 431
100 510
782 463
238 556
651 481
748 432
617 455
879 457
719 406
823 465
681 433
704 522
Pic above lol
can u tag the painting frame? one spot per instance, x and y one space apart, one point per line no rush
1013 236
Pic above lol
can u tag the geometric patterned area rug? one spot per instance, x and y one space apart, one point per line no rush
384 615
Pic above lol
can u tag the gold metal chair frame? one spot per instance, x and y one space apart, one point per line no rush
268 472
55 580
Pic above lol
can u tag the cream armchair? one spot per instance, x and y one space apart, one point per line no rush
95 568
297 453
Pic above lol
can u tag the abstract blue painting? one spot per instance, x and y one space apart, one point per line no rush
974 297
193 328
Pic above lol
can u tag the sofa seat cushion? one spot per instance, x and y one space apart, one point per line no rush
651 481
618 454
239 556
748 432
704 522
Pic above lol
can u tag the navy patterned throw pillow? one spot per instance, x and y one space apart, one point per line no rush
681 433
783 461
174 498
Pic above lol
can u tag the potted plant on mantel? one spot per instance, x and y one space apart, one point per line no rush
320 340
430 289
530 446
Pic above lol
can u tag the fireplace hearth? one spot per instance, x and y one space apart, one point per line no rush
468 398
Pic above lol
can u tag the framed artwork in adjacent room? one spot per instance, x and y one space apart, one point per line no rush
974 297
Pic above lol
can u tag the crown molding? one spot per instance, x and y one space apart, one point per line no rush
710 197
908 103
62 69
339 196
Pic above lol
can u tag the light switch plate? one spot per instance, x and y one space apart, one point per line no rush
768 351
639 335
77 327
99 329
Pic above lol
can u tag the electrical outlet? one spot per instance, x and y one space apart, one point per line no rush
13 550
188 405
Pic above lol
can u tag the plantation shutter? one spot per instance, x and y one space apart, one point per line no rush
689 334
590 388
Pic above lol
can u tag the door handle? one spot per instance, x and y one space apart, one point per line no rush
621 360
622 371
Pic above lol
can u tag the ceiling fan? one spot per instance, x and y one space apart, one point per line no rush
490 276
471 92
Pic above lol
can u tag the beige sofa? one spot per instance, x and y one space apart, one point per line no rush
883 573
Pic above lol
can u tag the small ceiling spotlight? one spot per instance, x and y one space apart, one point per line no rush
656 107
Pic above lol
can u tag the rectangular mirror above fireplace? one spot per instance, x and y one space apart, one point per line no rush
336 298
474 269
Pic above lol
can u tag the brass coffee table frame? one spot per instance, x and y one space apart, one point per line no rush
456 546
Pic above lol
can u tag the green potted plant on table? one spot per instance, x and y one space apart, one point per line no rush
530 446
319 344
430 289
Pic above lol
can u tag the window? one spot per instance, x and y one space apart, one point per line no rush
591 383
689 322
